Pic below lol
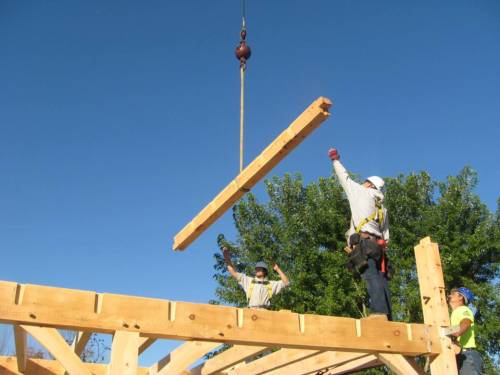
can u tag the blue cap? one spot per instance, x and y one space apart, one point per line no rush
261 265
466 293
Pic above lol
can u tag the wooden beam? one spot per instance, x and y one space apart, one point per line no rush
182 357
80 341
124 353
156 318
57 346
434 305
309 120
20 338
350 367
273 361
144 343
35 366
401 365
226 359
317 362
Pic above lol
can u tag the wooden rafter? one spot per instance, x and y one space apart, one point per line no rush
273 361
227 359
57 346
181 358
80 342
318 362
400 364
354 365
35 366
309 120
144 343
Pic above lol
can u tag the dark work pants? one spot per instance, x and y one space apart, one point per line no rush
378 290
469 362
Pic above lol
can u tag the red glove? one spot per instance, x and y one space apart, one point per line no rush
333 154
382 243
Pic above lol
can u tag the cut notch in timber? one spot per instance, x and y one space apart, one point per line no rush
290 138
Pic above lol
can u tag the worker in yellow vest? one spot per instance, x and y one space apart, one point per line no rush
469 361
367 236
258 289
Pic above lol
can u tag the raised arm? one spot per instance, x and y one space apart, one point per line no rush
283 277
345 180
229 263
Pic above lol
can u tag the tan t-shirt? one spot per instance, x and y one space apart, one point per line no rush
260 290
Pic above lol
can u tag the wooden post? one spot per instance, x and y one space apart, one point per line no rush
124 353
309 120
21 346
434 305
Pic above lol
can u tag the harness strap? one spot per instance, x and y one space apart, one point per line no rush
266 283
378 214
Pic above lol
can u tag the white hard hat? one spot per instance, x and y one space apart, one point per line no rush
377 181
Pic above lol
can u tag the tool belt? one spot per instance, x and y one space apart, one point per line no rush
363 248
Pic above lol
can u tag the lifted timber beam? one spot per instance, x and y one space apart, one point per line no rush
309 120
155 318
435 308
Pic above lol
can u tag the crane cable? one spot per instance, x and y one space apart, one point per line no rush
243 53
242 113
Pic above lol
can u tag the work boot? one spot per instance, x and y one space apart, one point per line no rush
377 316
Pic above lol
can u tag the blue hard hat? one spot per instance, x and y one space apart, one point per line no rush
466 293
261 265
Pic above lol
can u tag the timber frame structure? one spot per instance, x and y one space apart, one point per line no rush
304 343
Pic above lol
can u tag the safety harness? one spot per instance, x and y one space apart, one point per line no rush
266 283
377 214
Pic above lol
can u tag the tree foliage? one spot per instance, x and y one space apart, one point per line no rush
302 228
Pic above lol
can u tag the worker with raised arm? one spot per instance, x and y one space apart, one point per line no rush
367 236
469 361
258 289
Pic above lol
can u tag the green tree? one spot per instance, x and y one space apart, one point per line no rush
302 228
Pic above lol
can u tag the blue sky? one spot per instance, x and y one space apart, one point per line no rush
119 120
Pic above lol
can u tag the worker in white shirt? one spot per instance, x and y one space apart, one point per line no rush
368 235
258 289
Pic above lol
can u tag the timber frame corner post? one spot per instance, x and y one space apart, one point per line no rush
290 138
307 343
434 304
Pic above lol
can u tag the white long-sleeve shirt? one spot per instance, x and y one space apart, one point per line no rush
362 202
